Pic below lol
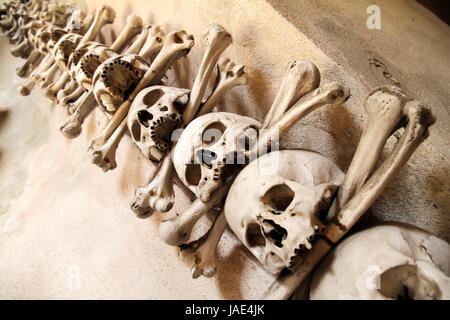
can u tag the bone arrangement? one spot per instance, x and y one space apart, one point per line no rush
289 218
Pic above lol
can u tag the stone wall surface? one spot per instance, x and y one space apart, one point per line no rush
66 230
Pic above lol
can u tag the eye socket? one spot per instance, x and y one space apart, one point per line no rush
136 131
403 283
144 117
212 133
193 174
152 97
278 197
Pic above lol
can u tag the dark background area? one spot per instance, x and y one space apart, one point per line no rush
441 8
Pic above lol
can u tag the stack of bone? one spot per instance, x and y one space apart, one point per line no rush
293 221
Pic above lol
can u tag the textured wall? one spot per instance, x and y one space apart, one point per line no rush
62 215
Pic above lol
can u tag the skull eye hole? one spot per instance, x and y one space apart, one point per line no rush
164 109
144 117
152 97
193 174
213 132
254 236
278 197
402 283
179 106
136 131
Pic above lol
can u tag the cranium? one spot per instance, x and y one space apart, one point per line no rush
153 116
274 206
210 150
385 262
86 60
64 48
116 78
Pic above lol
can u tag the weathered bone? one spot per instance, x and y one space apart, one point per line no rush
34 58
384 107
176 45
21 49
177 230
115 78
104 15
300 78
419 120
132 28
331 93
72 126
158 193
215 39
229 76
200 254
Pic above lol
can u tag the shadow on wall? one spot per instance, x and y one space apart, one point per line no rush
441 8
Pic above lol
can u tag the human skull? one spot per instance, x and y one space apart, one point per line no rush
115 79
212 149
394 261
85 61
276 205
64 48
155 113
42 38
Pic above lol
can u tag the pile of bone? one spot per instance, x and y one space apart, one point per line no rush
289 207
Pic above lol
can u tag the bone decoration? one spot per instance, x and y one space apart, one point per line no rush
289 208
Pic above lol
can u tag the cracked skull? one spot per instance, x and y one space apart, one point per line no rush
154 115
277 203
212 149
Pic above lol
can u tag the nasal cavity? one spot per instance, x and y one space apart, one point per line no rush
206 157
144 117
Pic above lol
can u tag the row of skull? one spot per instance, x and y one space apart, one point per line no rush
278 204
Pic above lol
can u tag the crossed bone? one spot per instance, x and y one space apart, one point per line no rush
50 46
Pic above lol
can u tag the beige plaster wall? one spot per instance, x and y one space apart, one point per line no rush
66 230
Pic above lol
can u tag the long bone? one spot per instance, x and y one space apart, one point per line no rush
148 198
22 50
72 126
33 59
157 194
419 119
215 39
35 56
176 45
104 15
301 77
384 107
229 75
175 231
334 93
87 52
48 60
200 254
